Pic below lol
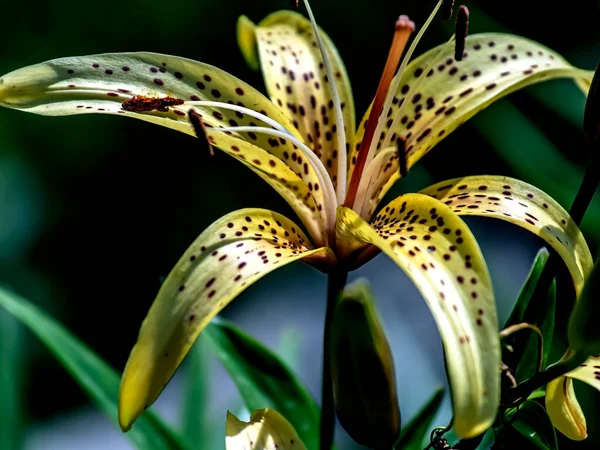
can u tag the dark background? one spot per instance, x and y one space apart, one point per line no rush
95 209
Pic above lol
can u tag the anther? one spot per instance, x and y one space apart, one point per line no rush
200 129
294 3
404 28
141 103
461 31
447 9
401 146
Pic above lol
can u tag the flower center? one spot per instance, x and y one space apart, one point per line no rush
404 28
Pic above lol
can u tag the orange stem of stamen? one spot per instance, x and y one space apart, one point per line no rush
404 28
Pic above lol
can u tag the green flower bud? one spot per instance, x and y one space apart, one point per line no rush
584 332
362 370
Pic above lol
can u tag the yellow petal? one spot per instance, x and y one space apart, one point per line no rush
496 65
266 430
101 83
589 372
564 410
296 81
225 259
246 37
436 249
300 188
522 204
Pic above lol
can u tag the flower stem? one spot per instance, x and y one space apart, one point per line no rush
570 362
335 288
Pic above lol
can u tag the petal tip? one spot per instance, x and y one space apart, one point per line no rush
246 37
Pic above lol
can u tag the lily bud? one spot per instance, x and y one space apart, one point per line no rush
583 332
362 369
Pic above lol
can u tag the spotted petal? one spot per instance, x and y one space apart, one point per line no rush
436 249
295 190
296 81
227 257
266 430
101 83
564 410
563 407
451 92
522 204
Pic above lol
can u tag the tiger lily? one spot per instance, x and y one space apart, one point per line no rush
266 429
562 404
304 143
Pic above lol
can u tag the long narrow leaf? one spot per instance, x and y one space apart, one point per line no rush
97 378
197 424
418 428
11 366
527 348
263 380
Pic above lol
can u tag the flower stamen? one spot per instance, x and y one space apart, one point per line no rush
366 184
200 129
404 28
339 118
447 9
243 110
328 189
461 31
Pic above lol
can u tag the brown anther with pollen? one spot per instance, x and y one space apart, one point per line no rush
401 146
447 9
200 129
294 3
141 103
461 30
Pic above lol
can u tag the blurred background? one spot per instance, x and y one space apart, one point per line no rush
94 210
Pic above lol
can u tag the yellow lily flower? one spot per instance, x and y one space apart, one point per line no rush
304 143
266 430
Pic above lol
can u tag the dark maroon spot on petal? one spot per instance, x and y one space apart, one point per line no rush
158 81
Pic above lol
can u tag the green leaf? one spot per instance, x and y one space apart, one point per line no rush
417 430
263 380
197 426
533 423
97 378
527 349
11 367
518 312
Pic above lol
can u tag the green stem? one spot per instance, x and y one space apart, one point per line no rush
567 364
335 288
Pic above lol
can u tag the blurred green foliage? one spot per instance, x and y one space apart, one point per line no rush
94 209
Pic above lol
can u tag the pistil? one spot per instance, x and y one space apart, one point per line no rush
404 28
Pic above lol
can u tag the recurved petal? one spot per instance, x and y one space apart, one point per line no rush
524 205
266 430
564 410
301 189
451 92
227 257
101 83
436 249
296 81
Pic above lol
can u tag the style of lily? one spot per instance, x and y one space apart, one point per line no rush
304 144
